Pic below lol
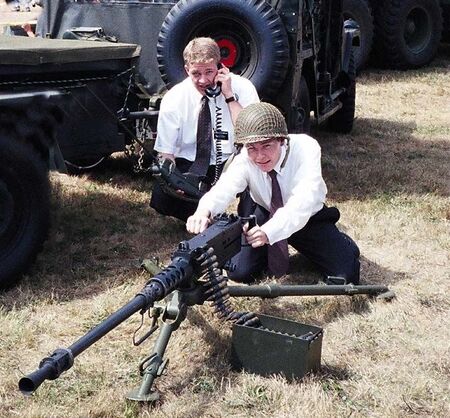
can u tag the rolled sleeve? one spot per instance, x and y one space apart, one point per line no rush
168 129
247 92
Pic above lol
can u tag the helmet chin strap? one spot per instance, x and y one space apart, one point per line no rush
287 153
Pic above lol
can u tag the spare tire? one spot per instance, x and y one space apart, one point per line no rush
408 32
24 208
361 13
251 35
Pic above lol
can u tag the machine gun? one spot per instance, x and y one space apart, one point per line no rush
193 277
192 186
184 186
206 253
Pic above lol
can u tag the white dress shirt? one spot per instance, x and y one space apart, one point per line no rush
178 117
301 183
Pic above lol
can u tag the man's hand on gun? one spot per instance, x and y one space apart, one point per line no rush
198 222
162 156
255 236
201 219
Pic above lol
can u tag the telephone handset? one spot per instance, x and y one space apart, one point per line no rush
216 90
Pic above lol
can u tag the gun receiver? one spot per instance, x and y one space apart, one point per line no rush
205 252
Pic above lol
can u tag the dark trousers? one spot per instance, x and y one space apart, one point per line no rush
169 205
334 252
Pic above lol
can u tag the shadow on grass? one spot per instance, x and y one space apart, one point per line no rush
118 170
383 158
218 355
439 65
97 241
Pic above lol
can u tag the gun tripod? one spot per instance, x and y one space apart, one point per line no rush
175 312
172 315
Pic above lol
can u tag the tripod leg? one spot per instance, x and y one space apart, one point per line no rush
154 365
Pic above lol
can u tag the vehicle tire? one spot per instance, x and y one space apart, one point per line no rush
250 33
407 32
342 120
361 12
24 208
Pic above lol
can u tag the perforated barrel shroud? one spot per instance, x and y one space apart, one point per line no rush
279 346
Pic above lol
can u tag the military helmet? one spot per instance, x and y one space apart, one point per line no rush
259 122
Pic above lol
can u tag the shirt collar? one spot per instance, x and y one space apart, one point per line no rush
195 93
280 164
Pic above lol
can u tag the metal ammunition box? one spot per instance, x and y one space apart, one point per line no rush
279 346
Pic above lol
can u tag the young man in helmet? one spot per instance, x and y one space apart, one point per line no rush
284 177
178 121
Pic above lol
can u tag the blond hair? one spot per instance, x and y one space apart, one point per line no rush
201 50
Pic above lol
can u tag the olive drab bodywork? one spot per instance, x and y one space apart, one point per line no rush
112 62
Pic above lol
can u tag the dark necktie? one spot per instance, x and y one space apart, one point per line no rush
204 136
278 253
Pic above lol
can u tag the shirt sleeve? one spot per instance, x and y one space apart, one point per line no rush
168 125
246 91
305 198
232 181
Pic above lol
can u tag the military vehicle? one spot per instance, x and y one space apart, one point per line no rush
400 34
91 84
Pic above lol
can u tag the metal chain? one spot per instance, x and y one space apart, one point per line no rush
130 81
135 151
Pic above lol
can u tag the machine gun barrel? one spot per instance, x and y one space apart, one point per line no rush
50 368
62 359
274 290
224 236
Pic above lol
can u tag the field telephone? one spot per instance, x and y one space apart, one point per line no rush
214 91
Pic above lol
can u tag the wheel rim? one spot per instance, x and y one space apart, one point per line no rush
237 45
228 51
418 28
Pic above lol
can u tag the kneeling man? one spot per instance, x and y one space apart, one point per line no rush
284 178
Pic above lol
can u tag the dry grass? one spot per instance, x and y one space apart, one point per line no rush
390 179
